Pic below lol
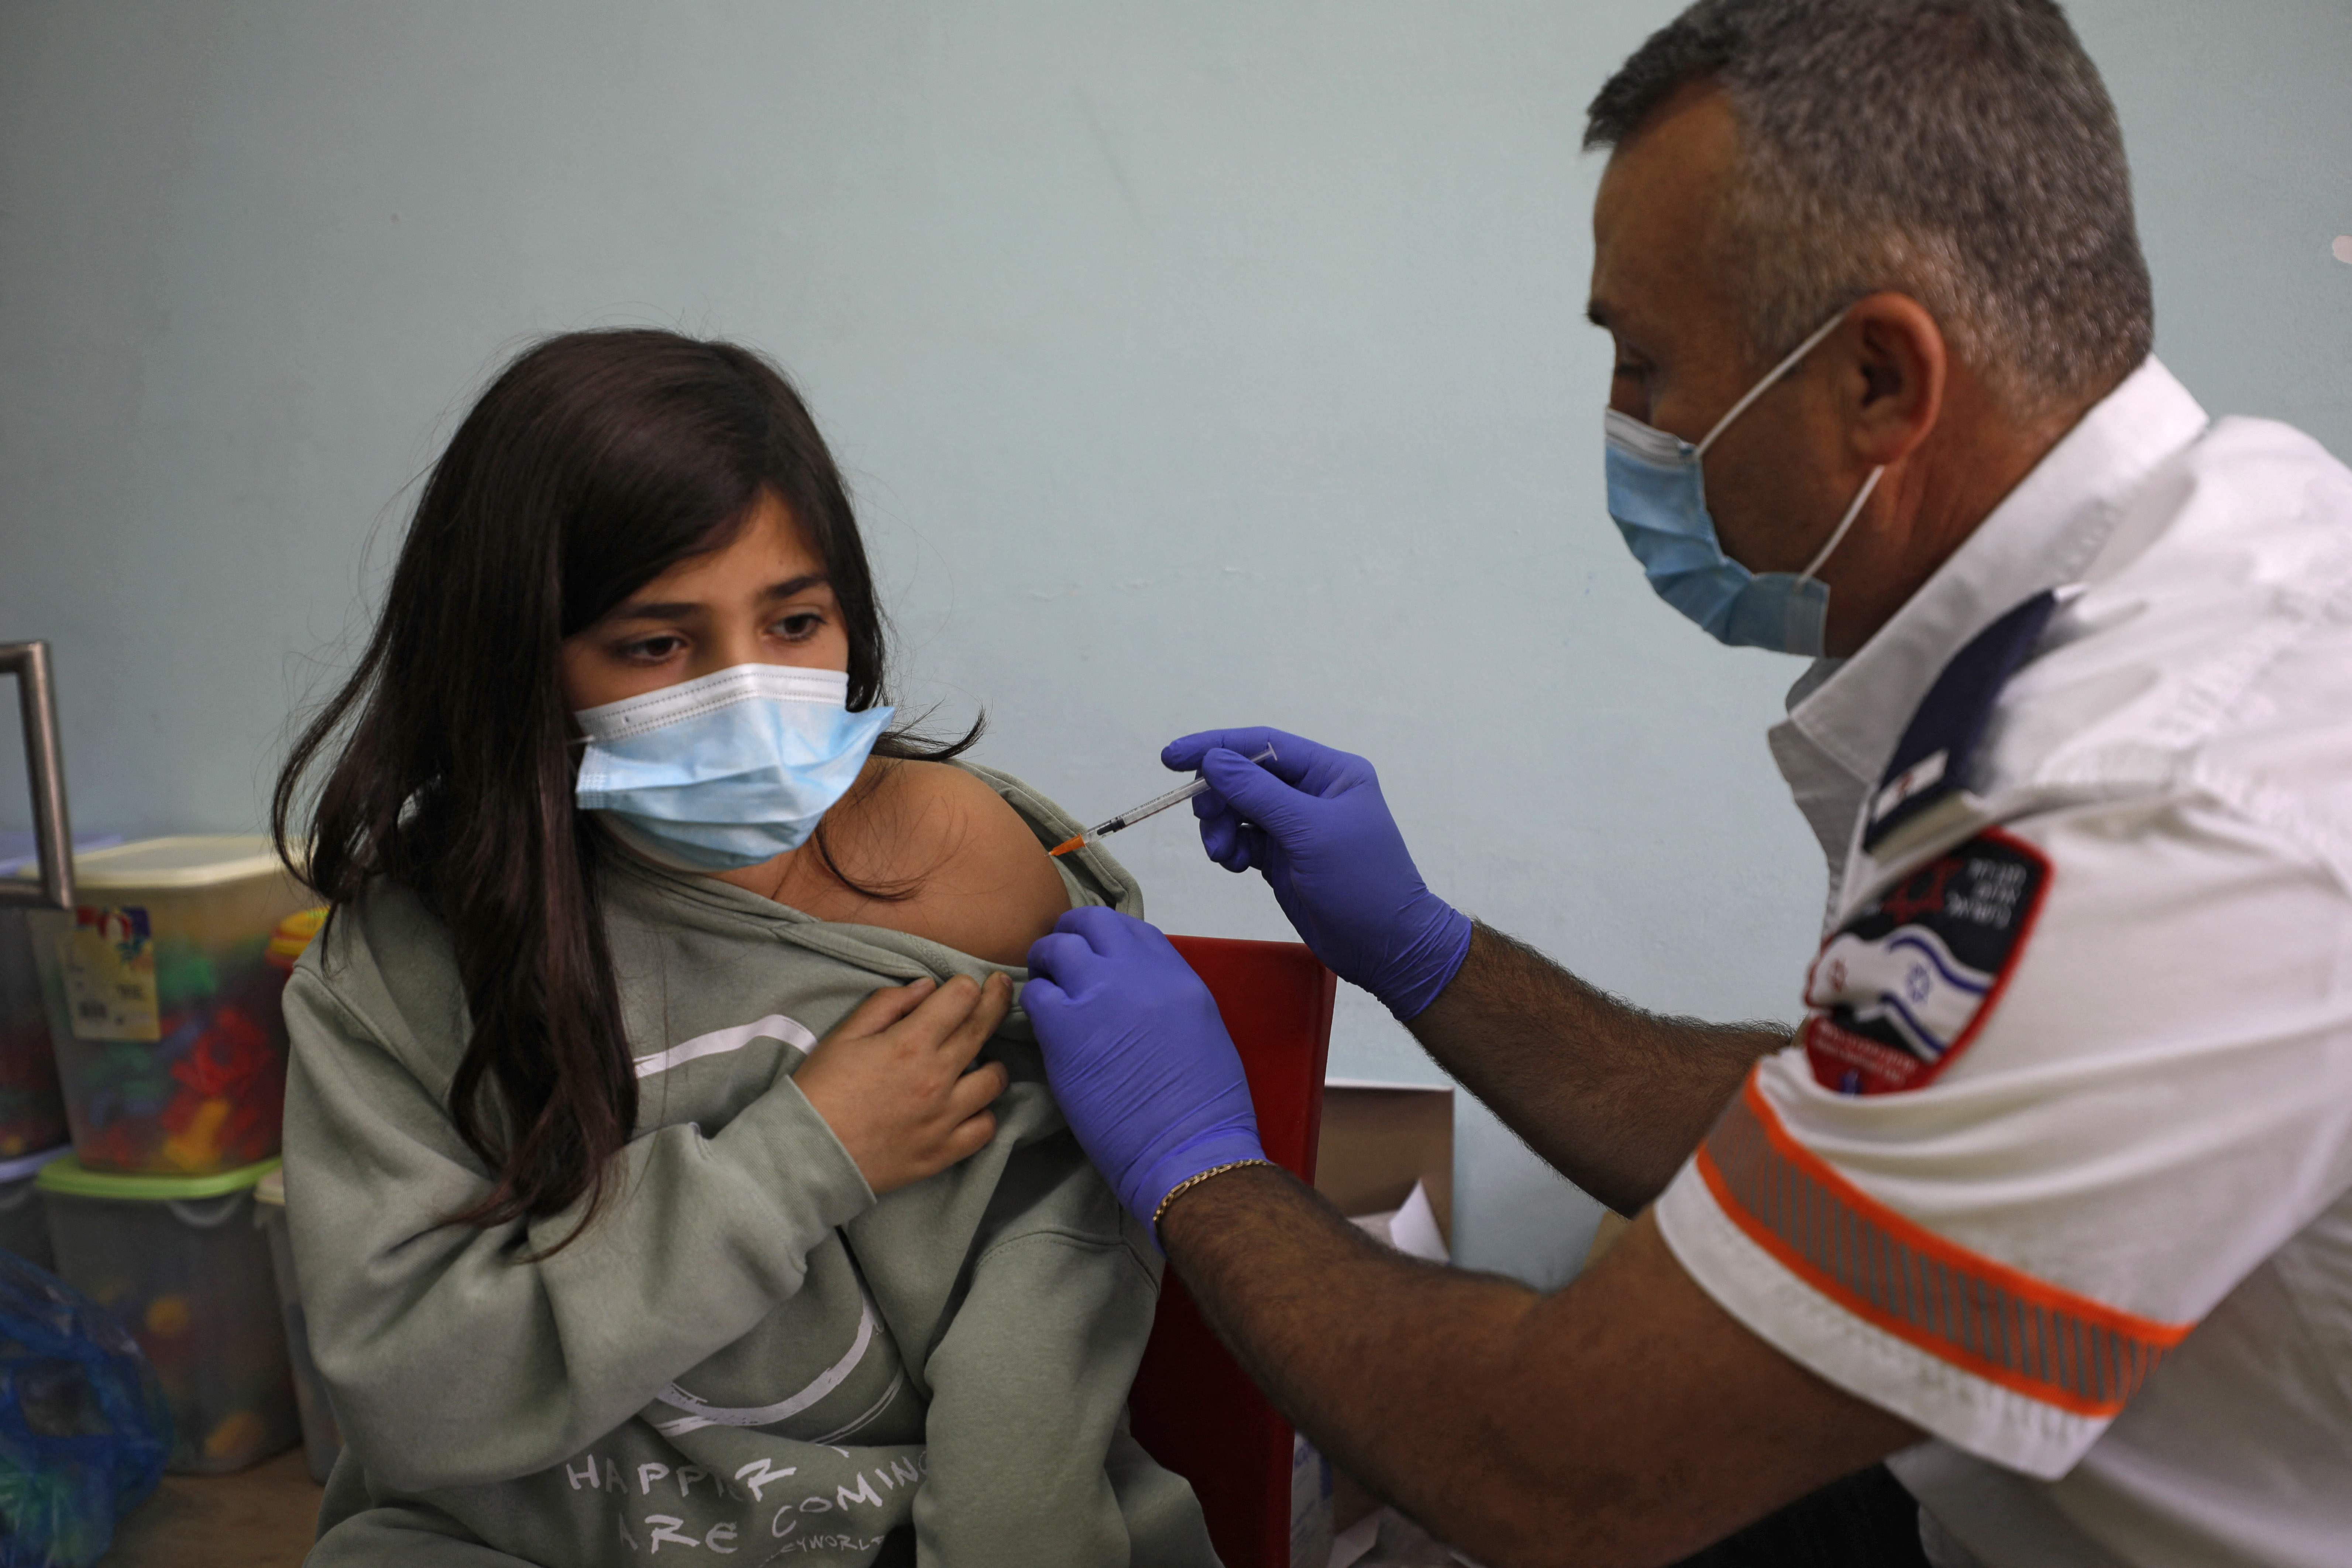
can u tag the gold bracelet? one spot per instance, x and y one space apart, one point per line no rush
1188 1183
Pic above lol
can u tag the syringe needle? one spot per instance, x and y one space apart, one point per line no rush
1151 807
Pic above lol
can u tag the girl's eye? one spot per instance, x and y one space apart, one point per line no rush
652 650
799 626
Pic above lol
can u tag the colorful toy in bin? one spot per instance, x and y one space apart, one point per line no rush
32 1111
163 991
180 1263
294 936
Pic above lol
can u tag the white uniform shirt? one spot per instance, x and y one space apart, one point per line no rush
2058 1170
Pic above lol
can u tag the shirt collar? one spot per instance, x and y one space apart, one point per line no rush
2041 535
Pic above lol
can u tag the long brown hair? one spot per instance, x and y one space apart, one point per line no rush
593 463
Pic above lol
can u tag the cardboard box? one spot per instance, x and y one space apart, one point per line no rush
1378 1139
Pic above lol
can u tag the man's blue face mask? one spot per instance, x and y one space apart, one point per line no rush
725 772
1657 493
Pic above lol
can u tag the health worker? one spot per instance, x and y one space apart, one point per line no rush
2031 1247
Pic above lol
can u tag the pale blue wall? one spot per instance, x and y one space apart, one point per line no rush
1201 361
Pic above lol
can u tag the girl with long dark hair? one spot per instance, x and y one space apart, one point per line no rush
666 1164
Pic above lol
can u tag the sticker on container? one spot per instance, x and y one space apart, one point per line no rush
108 964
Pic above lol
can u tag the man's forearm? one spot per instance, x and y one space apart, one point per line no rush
1613 1098
1349 1338
1626 1420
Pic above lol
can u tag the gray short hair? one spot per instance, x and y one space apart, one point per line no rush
1962 151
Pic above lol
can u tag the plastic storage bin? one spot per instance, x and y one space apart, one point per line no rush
179 1262
163 1004
322 1438
24 1224
32 1113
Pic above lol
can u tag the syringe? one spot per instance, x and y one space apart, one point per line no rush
1151 807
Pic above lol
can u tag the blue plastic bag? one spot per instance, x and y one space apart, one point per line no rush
84 1427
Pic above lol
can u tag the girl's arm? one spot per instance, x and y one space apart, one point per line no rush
455 1358
1030 1462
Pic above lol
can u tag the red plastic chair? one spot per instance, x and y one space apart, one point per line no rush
1194 1409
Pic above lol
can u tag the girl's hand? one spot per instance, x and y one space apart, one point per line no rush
890 1080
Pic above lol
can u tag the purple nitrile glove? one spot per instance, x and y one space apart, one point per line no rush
1136 1055
1312 820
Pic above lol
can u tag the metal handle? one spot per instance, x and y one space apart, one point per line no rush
45 765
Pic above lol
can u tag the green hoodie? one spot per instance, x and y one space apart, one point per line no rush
747 1358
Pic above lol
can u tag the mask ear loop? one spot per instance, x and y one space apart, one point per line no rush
1771 378
1837 534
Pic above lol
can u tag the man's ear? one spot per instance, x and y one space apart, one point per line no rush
1890 388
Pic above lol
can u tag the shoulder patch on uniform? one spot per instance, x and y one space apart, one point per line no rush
1901 988
1931 760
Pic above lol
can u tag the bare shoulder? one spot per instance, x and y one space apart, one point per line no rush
974 876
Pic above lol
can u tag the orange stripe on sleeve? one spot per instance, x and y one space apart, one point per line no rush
1997 1322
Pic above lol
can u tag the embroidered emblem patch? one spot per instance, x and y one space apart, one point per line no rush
1901 987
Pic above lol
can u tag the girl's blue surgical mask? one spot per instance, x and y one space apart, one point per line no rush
727 771
1657 493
